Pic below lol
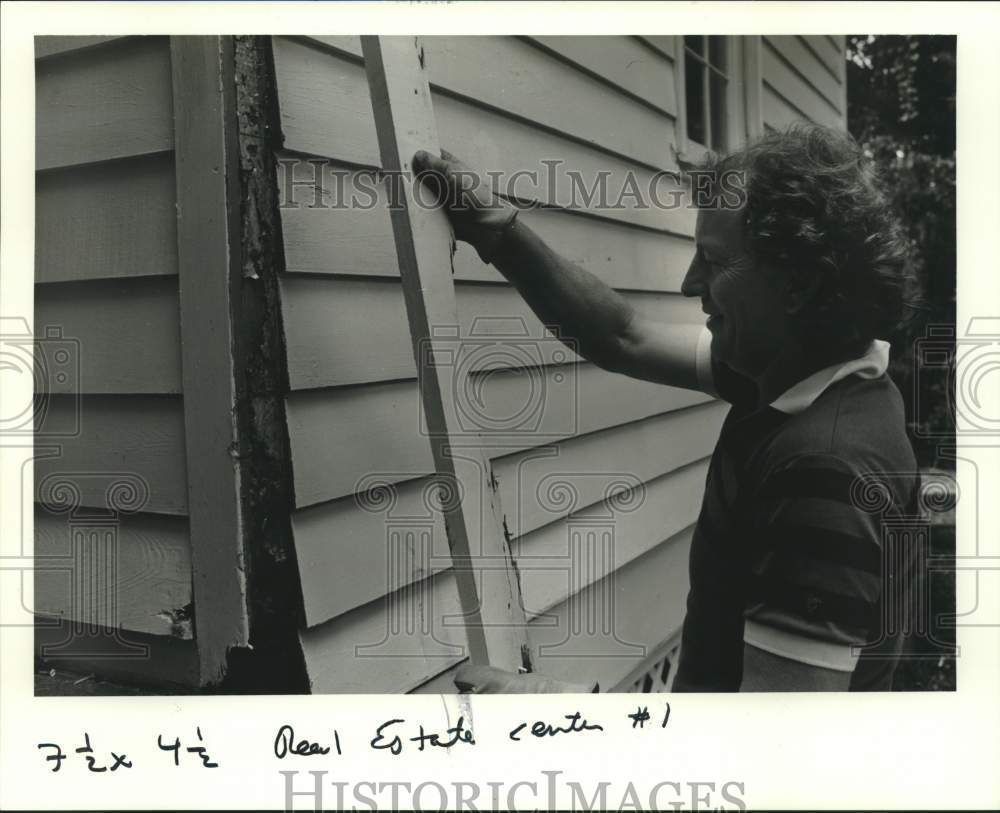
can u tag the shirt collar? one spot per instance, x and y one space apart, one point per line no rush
800 396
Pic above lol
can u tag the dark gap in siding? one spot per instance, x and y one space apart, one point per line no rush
275 663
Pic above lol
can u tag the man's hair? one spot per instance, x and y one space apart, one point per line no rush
816 205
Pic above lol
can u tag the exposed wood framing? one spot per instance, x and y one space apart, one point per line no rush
208 264
404 121
274 597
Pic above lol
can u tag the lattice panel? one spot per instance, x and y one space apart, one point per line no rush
660 675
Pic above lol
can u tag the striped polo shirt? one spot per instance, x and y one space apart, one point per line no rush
787 555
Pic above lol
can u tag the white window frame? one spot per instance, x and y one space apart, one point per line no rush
742 97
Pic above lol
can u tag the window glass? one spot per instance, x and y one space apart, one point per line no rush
695 98
717 52
705 86
696 44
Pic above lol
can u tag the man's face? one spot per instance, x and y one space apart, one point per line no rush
745 303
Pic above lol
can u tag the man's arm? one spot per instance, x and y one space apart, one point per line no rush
597 321
587 314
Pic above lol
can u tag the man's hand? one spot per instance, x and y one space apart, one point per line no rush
489 680
478 216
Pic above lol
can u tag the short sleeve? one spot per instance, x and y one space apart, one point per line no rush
815 565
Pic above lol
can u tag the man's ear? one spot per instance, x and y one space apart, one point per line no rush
801 289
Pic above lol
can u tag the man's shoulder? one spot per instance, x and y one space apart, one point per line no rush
857 421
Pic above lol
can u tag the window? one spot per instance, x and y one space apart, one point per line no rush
706 80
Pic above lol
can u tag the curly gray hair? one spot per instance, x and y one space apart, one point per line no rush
816 205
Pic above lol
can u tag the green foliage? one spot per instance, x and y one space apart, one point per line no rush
901 108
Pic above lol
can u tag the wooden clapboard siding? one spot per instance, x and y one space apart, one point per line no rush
808 66
150 576
634 522
354 331
341 545
441 683
333 238
663 45
104 103
108 220
353 413
325 111
106 287
777 112
649 593
57 45
359 652
603 462
799 85
628 63
330 455
832 58
130 656
126 334
508 74
106 435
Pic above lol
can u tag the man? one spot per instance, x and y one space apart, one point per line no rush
798 278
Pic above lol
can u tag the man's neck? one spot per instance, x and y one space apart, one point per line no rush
788 368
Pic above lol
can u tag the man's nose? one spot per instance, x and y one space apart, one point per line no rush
693 283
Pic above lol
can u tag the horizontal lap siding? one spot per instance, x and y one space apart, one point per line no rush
106 288
325 111
803 78
354 415
340 436
539 488
104 103
126 332
624 256
106 220
144 578
356 331
607 630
